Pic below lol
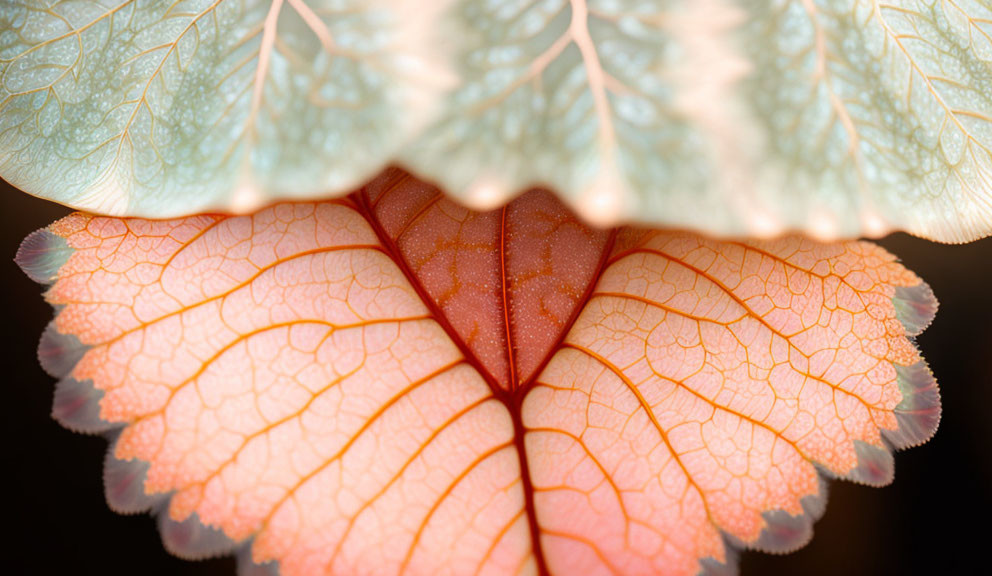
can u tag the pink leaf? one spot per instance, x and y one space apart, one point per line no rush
392 384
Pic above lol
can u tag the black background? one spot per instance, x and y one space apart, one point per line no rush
933 519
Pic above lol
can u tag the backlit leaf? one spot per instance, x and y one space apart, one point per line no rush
730 117
389 383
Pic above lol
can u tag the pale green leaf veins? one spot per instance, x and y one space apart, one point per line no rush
835 117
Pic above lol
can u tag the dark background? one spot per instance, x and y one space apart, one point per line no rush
933 519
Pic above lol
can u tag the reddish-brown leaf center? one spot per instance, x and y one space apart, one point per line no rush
506 283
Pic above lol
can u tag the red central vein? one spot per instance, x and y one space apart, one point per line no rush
513 396
511 362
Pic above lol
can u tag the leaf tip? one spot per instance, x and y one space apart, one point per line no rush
784 532
876 466
42 254
915 307
58 353
124 484
918 414
77 407
192 539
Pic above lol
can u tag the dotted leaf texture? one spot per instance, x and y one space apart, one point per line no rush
389 383
838 118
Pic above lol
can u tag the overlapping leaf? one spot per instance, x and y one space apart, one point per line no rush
392 384
835 117
170 108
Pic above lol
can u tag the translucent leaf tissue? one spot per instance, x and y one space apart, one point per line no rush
492 287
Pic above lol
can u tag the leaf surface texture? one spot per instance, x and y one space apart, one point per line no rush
389 383
839 118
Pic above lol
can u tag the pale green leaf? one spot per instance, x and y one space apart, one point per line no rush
732 117
161 108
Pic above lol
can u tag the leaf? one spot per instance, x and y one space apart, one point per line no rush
172 108
390 383
730 117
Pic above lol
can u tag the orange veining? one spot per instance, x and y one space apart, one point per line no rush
393 384
508 281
